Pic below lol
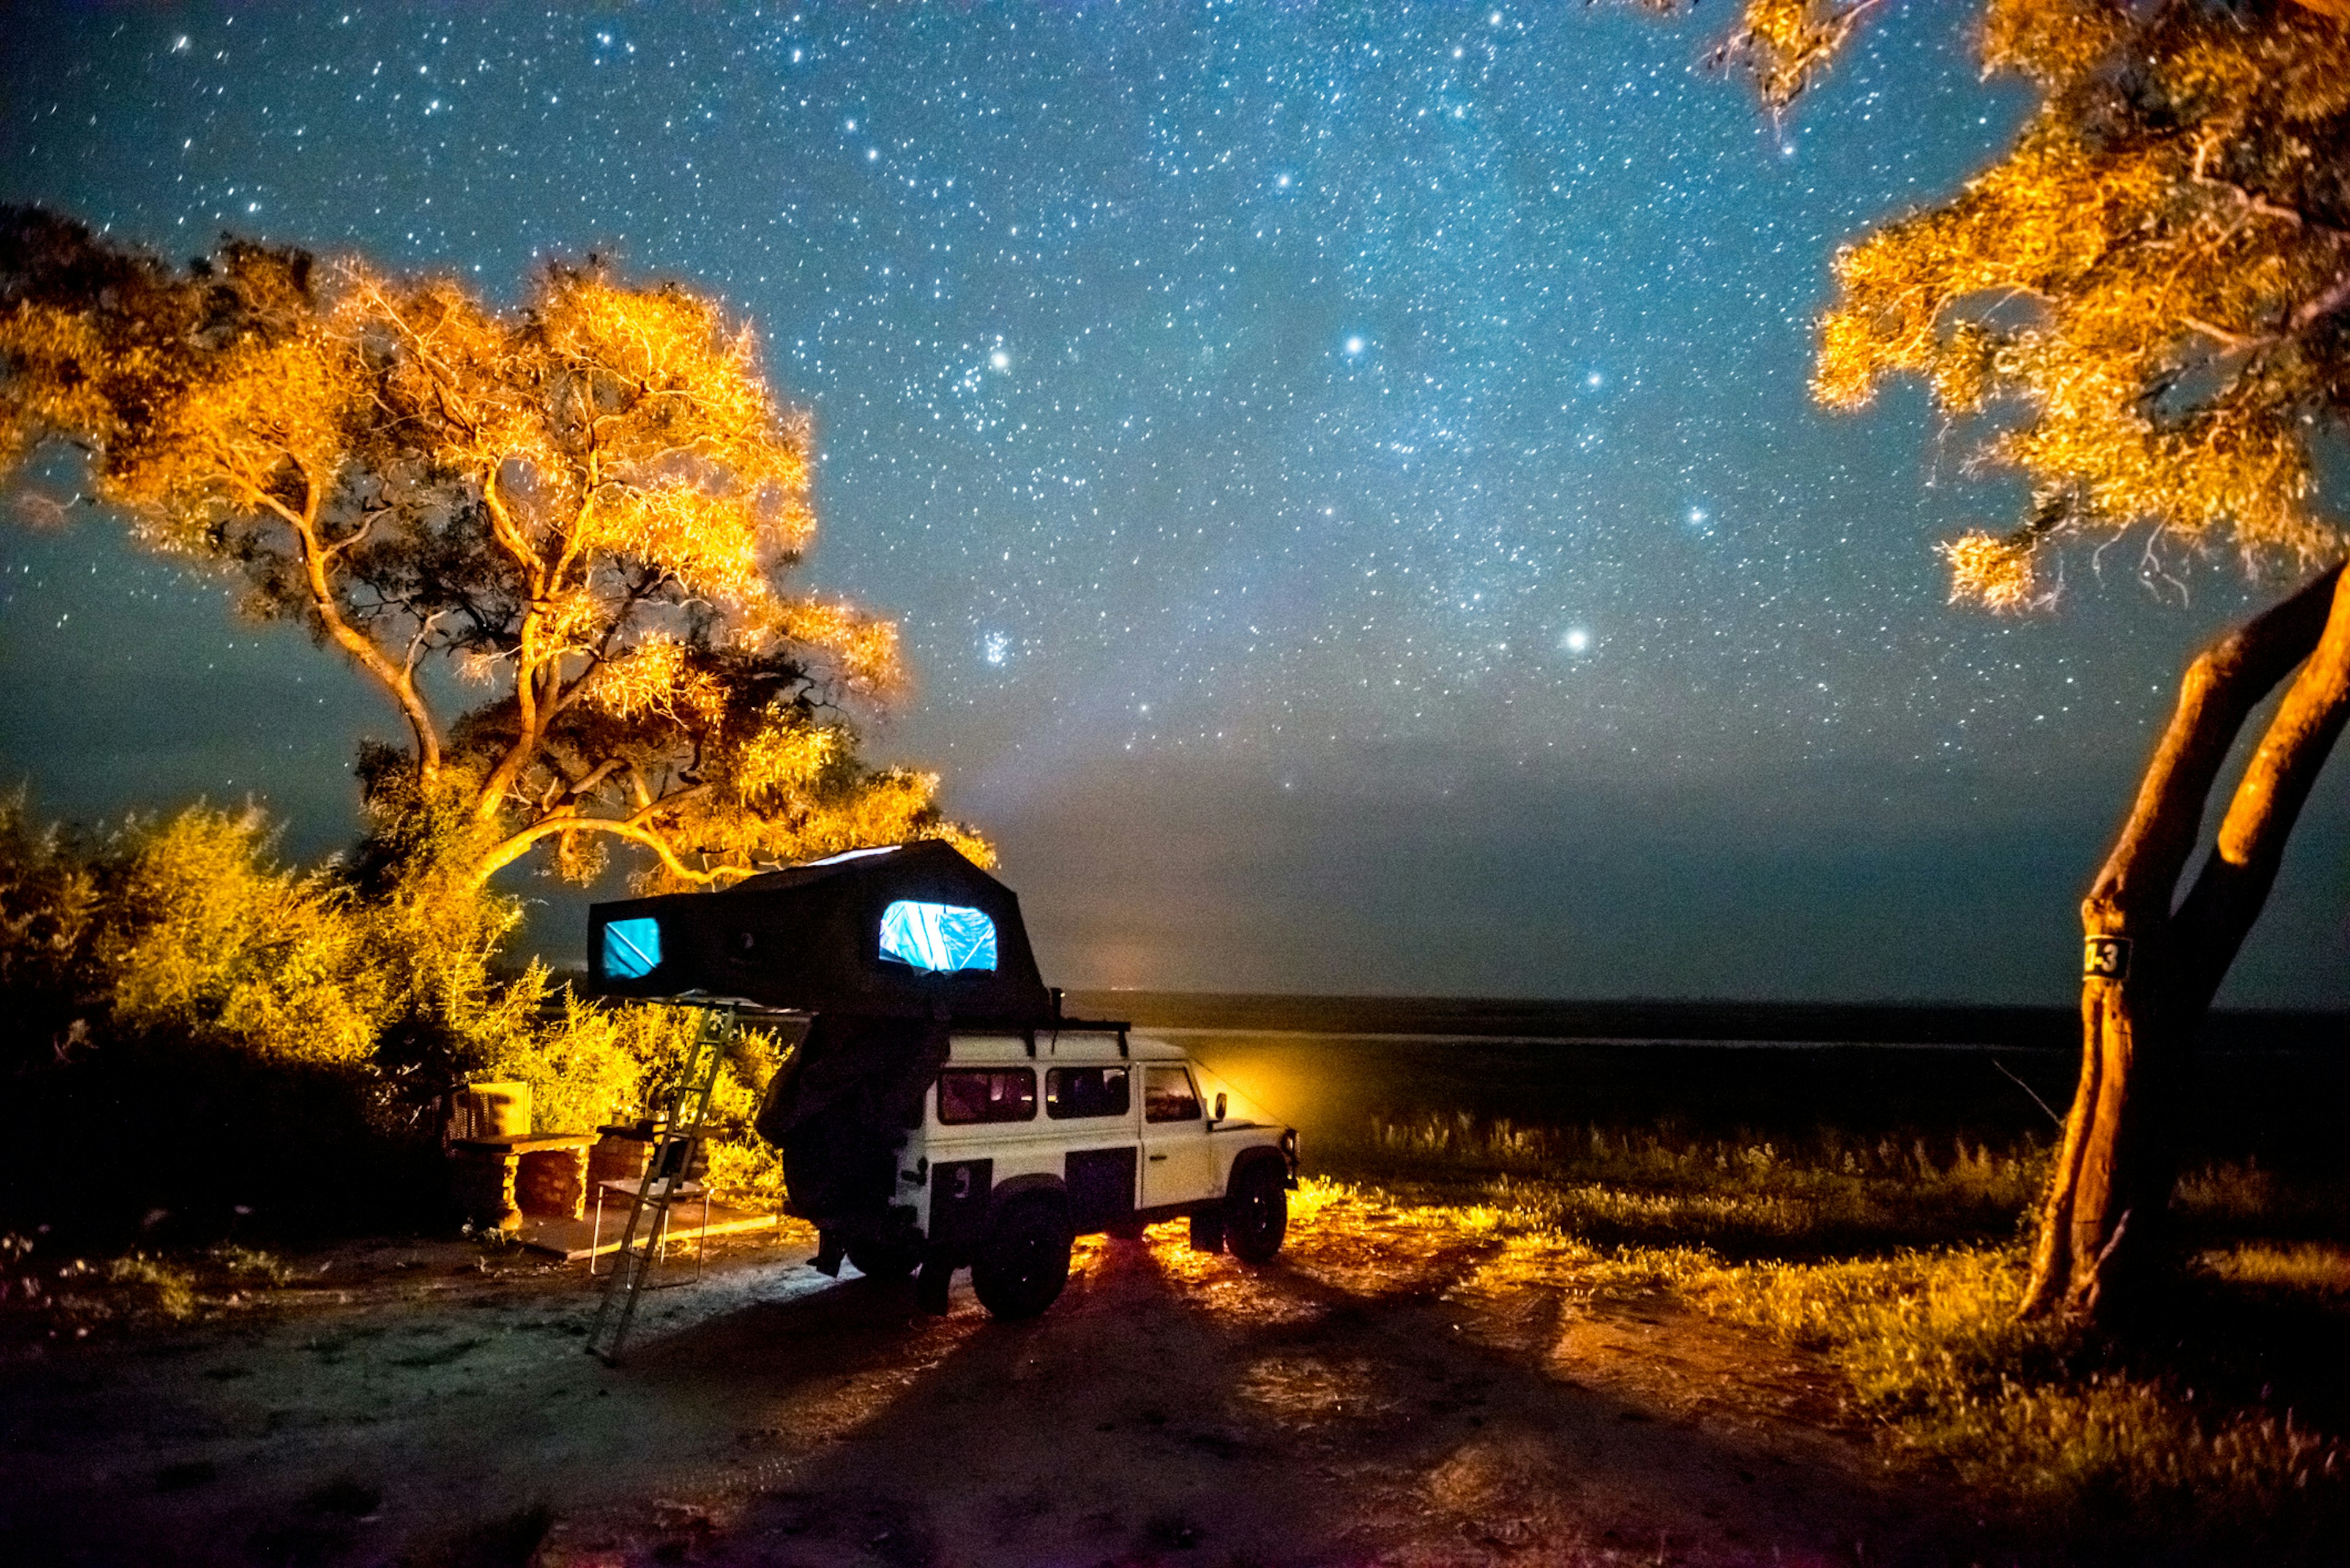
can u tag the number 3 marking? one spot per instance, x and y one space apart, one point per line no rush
2105 958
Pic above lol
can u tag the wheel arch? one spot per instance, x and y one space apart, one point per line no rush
1038 1186
1249 1159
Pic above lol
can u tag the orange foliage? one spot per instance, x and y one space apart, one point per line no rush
589 501
2149 294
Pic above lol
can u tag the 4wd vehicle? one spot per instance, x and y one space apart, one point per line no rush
1025 1145
939 1111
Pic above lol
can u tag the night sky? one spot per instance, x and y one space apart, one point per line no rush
1345 474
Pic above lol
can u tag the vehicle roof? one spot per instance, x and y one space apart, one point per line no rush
1086 1045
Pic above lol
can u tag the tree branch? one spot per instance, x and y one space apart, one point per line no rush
416 643
529 722
579 789
2219 908
515 845
400 683
358 534
2316 308
2218 692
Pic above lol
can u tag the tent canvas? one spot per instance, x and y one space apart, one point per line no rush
905 931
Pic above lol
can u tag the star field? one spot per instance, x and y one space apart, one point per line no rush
1405 410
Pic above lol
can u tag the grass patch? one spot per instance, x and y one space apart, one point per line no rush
2157 1434
74 1296
148 1286
1824 1196
2221 1418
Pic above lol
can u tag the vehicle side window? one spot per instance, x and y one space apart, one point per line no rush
1168 1095
1086 1092
968 1094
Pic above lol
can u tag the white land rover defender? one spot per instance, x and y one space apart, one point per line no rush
939 1111
1026 1143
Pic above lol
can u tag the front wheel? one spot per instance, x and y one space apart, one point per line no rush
1256 1214
1024 1262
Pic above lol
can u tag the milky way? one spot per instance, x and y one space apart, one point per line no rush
1346 476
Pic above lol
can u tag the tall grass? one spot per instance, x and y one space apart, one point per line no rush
1824 1195
2121 1433
2220 1417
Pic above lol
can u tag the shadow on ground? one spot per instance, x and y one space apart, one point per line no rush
1387 1391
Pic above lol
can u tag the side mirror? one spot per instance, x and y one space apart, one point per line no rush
1220 1109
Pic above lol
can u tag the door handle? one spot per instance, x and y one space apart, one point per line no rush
1156 1157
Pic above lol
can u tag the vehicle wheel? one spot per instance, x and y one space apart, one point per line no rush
884 1261
1024 1261
1256 1214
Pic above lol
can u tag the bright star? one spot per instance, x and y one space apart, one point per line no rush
1577 640
1354 345
1000 360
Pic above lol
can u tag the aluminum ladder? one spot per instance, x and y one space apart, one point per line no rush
677 1138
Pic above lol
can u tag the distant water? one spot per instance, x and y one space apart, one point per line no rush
1678 1023
2271 1094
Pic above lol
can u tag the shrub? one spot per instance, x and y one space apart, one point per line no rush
243 1036
203 936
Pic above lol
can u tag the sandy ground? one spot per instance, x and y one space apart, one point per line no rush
1385 1392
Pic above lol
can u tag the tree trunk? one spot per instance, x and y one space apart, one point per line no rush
2147 974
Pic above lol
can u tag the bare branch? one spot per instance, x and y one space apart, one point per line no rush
2219 692
515 845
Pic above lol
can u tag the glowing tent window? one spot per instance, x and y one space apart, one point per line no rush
631 948
940 937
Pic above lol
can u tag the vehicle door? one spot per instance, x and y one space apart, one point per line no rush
1092 1109
1178 1165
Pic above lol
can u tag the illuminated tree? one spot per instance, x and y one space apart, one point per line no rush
2147 302
584 505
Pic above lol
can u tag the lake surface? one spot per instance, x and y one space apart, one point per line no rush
2268 1086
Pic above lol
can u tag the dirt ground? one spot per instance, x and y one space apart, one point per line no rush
1385 1392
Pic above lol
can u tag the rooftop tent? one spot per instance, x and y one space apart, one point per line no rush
895 931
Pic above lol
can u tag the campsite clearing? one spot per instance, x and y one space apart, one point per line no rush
1390 1389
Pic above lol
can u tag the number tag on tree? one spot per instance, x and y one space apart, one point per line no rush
2105 958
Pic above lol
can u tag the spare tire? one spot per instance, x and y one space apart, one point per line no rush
1025 1260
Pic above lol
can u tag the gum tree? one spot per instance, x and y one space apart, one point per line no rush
2146 301
583 509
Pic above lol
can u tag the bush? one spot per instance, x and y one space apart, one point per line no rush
199 1033
203 935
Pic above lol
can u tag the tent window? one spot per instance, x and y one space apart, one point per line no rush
631 948
940 937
